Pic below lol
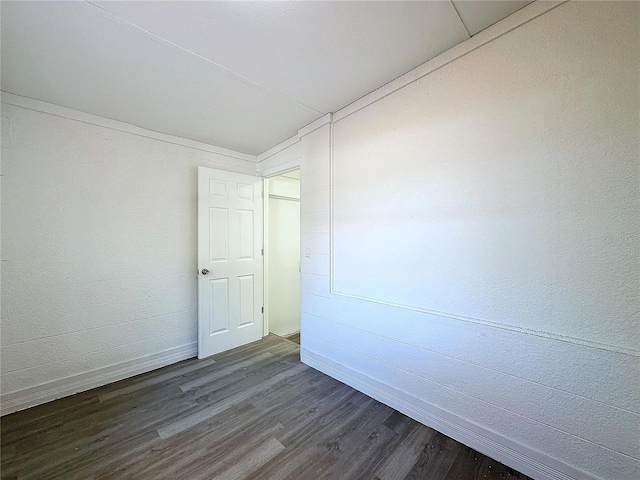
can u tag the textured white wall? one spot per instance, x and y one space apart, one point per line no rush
489 212
98 250
284 256
510 196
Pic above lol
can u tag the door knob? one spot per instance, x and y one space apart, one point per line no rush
205 271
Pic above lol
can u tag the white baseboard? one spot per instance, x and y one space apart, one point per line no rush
530 462
30 397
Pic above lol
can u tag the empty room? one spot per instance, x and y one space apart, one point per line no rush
375 240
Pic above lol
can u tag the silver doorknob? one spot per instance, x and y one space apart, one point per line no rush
205 271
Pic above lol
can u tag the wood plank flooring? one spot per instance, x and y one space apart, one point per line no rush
255 412
295 338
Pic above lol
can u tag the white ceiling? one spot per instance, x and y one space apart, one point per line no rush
239 75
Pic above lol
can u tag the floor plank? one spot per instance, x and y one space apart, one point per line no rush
400 462
294 338
254 412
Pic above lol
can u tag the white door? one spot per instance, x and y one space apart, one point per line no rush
229 260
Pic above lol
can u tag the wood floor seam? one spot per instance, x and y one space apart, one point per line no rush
254 413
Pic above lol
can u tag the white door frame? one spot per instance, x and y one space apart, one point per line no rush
236 266
266 175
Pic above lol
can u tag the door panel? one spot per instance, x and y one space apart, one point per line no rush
246 285
218 234
218 305
229 251
246 247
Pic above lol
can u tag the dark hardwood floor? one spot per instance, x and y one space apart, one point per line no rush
295 338
255 412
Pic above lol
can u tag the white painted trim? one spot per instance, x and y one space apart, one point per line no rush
47 392
452 316
504 26
313 126
265 239
57 110
284 197
278 148
265 256
487 323
280 169
520 457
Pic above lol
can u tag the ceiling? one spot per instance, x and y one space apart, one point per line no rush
239 75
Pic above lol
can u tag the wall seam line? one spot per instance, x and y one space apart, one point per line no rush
100 326
40 365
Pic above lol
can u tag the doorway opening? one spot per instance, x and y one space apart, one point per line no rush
282 255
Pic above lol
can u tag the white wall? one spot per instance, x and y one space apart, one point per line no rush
482 241
284 255
283 157
98 250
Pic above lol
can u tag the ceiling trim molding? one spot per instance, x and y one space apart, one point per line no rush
495 31
280 169
313 126
59 111
278 148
